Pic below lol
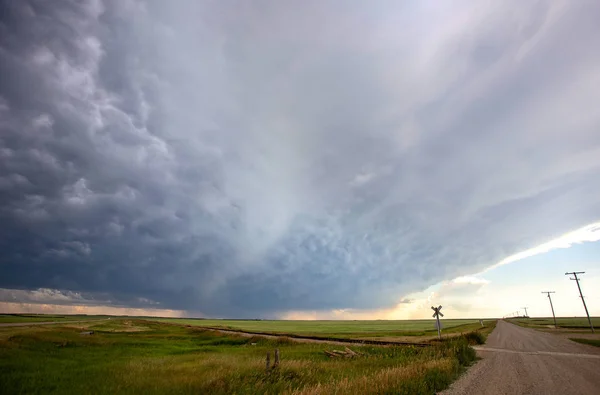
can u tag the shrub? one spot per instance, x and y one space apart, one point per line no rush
475 337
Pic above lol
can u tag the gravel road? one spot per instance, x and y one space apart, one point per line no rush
518 360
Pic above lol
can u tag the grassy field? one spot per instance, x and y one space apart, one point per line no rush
15 318
578 323
591 342
139 356
338 329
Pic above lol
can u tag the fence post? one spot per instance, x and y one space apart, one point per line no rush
276 363
268 360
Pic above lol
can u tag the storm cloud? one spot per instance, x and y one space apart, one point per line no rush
251 159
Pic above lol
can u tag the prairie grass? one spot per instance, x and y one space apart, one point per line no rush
15 318
591 342
373 329
574 323
159 358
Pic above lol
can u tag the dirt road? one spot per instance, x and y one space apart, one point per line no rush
518 360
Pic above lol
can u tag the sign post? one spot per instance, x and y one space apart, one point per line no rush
437 313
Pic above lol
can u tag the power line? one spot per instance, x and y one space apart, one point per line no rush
552 307
581 294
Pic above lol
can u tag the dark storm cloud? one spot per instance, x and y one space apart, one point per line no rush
269 157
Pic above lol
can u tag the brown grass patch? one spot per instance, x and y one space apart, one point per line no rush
383 381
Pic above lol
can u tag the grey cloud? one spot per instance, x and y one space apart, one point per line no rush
42 296
270 157
69 298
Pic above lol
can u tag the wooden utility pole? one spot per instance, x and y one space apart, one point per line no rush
552 307
581 294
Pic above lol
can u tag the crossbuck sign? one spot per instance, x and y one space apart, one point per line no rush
436 314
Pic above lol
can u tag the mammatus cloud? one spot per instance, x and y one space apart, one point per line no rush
259 159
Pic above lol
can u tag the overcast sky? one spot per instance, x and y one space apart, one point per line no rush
269 159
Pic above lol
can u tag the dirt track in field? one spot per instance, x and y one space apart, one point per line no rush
518 360
314 339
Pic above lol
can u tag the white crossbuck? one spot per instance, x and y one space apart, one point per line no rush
437 311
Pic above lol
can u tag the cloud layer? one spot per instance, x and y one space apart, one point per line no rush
268 157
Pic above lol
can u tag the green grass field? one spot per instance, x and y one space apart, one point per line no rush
591 342
142 356
578 323
339 329
15 318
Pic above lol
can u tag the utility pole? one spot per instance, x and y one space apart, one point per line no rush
581 294
552 307
526 315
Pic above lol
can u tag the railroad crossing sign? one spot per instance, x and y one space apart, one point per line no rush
436 314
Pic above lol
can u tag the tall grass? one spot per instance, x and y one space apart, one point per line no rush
170 359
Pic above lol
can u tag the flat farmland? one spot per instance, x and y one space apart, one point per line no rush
339 329
136 356
24 318
573 323
573 328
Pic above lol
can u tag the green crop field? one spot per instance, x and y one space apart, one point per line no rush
341 329
574 323
144 357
